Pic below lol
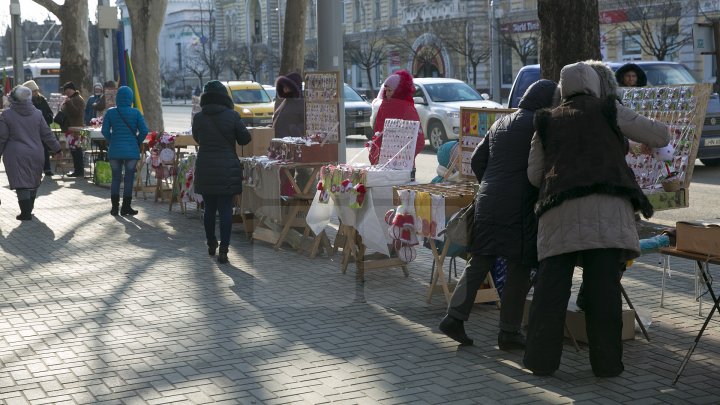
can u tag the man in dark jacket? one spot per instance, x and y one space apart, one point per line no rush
73 108
218 174
505 225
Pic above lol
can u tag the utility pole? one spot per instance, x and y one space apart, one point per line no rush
494 54
18 70
107 22
330 54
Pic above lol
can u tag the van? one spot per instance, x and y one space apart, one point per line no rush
252 102
659 73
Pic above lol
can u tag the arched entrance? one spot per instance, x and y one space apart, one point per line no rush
429 59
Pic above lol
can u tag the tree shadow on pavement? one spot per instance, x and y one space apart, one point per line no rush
34 233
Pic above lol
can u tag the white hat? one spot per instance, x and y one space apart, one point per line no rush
21 93
30 84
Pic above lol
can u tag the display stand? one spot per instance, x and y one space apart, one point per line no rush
323 91
703 264
182 143
474 124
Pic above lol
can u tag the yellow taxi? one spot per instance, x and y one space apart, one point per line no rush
251 102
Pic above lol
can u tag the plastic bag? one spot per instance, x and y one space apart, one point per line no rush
103 173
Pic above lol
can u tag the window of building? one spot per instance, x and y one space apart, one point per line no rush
394 8
377 9
506 71
530 44
356 11
631 44
311 12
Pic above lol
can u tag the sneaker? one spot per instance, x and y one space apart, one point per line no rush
454 329
75 174
511 340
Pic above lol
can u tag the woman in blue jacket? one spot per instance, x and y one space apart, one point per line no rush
125 130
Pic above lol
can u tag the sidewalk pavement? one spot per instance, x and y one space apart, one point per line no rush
102 309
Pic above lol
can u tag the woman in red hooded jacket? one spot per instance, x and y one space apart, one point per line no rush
396 101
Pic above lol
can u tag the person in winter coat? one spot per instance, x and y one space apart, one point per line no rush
396 101
102 104
504 225
73 110
41 104
23 131
217 128
631 75
587 200
289 116
125 130
90 113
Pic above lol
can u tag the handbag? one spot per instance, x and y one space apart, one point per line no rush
460 225
61 119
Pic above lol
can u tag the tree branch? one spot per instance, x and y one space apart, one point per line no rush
50 5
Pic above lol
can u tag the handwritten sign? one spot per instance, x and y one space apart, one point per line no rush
398 145
322 106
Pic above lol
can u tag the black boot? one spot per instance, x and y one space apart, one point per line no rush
25 210
454 329
126 209
510 340
222 257
115 200
212 246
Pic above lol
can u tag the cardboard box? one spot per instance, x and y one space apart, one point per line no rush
575 321
701 236
261 137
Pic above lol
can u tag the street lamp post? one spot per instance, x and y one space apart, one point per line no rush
18 71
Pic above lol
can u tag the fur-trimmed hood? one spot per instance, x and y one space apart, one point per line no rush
641 76
284 81
591 77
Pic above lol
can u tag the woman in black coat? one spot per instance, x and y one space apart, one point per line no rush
218 174
505 224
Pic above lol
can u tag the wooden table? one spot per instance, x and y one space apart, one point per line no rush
703 262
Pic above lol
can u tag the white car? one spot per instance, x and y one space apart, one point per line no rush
438 101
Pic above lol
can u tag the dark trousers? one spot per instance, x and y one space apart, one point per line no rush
223 206
516 288
46 165
78 163
603 311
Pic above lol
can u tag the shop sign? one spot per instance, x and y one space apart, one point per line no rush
613 16
521 26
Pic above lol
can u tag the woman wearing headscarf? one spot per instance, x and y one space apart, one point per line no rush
396 101
587 200
505 225
23 131
41 104
125 130
90 104
217 128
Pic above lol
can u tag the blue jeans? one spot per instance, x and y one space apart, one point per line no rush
116 166
222 204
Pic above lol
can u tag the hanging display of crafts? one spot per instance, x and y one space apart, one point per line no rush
162 153
474 124
322 106
679 107
398 148
344 183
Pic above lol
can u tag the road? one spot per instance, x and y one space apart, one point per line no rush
704 189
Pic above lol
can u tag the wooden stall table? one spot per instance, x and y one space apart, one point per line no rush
703 262
455 197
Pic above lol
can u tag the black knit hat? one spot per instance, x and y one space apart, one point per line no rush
214 86
69 85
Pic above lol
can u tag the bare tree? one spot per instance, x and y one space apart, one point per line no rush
368 51
655 26
146 20
524 46
236 62
311 57
195 65
569 33
256 56
75 46
293 53
463 39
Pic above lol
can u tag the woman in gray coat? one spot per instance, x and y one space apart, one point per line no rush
23 131
586 206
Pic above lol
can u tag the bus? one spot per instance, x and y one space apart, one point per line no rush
45 72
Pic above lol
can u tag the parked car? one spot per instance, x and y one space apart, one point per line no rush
183 92
438 101
658 74
357 114
270 90
252 103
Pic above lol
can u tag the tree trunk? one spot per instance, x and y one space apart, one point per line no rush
569 32
475 65
75 46
369 76
146 20
293 45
